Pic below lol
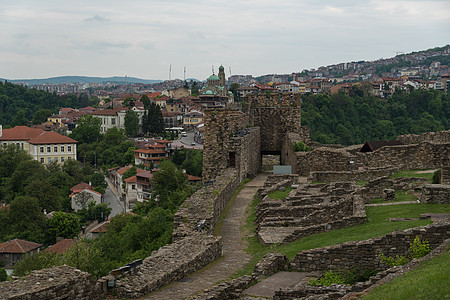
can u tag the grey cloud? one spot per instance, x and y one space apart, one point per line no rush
97 18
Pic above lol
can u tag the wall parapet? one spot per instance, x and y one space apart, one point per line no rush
185 256
205 204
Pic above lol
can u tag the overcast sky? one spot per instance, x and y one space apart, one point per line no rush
142 38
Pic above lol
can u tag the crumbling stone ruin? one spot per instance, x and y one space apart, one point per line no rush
310 209
345 256
57 283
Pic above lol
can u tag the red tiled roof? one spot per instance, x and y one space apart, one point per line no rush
149 151
145 174
87 108
193 178
131 179
18 246
101 228
81 186
20 133
124 169
89 190
52 137
107 112
151 95
60 246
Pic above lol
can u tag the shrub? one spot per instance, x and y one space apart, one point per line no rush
398 260
437 177
330 277
419 248
348 277
300 146
3 275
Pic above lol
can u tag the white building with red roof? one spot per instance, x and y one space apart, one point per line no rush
82 195
43 146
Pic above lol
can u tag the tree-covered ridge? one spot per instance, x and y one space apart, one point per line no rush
348 120
19 104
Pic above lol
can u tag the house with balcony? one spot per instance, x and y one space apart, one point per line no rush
149 158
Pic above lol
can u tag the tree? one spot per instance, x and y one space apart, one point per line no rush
131 123
82 199
233 89
145 100
130 172
168 184
153 120
87 130
25 215
25 172
46 194
20 119
65 225
194 89
41 116
99 182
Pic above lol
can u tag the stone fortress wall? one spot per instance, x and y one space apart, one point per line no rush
429 151
275 115
222 124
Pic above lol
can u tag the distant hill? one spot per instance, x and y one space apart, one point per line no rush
82 79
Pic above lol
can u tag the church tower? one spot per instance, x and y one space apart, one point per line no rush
221 76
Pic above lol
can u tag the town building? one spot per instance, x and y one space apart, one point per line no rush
12 251
43 146
82 195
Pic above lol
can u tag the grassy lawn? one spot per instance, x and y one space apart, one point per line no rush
430 280
412 173
400 196
378 224
278 195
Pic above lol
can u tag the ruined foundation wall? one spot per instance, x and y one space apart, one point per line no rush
408 157
403 157
364 254
440 137
435 193
62 282
359 175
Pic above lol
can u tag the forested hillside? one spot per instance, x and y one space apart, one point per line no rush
358 118
19 104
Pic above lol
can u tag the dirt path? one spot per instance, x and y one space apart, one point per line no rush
233 258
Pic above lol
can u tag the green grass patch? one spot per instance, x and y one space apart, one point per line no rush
429 281
412 173
362 182
278 195
377 225
400 196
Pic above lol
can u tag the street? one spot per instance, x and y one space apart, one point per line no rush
186 142
112 198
